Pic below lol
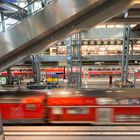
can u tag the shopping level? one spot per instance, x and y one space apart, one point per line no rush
72 132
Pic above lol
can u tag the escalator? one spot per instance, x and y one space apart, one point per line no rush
8 9
48 24
11 8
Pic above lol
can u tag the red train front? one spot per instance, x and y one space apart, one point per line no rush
22 106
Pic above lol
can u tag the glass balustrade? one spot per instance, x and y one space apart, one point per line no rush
29 10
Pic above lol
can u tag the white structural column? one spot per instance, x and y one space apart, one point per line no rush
125 55
2 136
74 67
36 68
2 22
9 76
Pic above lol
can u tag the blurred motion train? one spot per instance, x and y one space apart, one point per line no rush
110 106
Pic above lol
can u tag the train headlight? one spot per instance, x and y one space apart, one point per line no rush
31 106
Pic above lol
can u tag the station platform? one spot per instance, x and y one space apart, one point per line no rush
102 83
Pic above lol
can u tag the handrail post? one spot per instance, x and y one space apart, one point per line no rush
30 7
2 22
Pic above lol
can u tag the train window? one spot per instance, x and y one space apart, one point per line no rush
113 68
134 101
31 106
104 101
124 101
128 101
84 68
57 110
123 117
90 69
138 100
78 110
117 68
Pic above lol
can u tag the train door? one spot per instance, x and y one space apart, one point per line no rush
57 113
104 115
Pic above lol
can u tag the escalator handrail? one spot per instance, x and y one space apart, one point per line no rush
18 13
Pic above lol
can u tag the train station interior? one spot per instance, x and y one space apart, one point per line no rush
69 69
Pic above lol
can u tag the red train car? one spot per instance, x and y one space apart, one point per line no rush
22 106
94 106
110 106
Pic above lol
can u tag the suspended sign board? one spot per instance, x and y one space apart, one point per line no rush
63 63
8 1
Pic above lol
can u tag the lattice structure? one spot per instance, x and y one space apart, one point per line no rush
74 63
125 55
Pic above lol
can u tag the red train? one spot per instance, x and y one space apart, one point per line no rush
89 71
117 106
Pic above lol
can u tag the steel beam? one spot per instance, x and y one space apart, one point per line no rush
133 13
92 58
124 21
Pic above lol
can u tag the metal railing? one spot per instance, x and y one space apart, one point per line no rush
32 8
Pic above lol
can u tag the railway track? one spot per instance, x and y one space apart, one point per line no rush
72 132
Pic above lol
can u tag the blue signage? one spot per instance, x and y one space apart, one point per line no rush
8 1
